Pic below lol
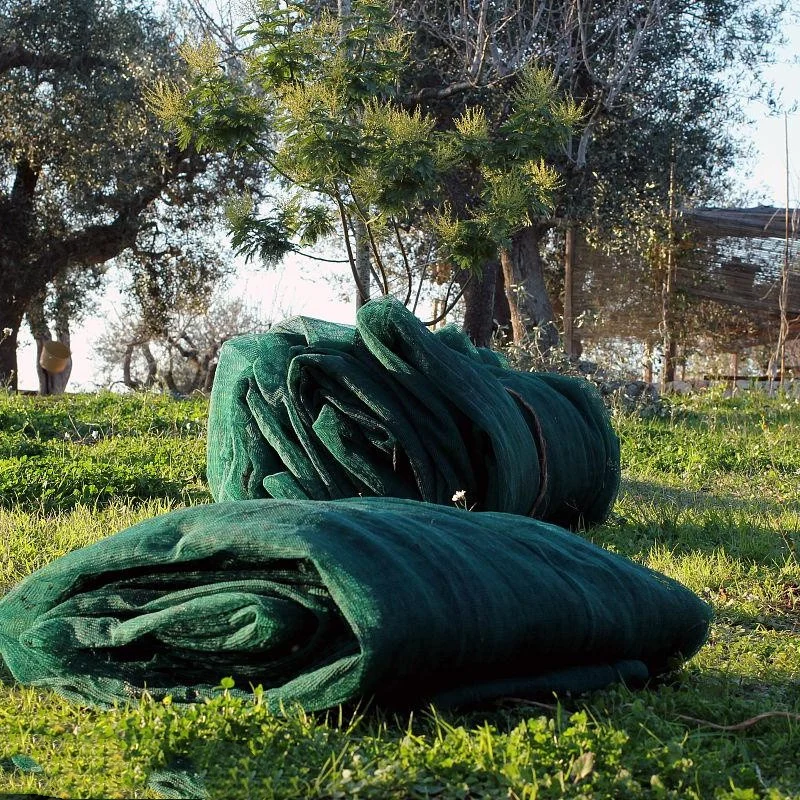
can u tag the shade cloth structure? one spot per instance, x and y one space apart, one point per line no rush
323 411
325 602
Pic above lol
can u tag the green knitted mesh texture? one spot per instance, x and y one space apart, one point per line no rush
325 602
323 411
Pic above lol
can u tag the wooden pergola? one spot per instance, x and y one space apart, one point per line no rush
731 257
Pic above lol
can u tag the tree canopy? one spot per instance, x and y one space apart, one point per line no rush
653 79
660 83
319 103
86 172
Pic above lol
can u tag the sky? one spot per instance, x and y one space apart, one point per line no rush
299 287
767 174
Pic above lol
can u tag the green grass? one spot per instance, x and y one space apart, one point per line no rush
57 455
709 496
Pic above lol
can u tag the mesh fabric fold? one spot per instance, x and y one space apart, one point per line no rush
326 602
322 411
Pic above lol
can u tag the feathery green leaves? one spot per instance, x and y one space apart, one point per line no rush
319 104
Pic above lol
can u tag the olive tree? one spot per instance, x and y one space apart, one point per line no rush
86 171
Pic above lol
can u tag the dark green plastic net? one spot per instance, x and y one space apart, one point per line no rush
317 410
325 602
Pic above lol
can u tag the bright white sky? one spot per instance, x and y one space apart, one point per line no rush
767 177
299 287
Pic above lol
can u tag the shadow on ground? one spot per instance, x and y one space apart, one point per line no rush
689 522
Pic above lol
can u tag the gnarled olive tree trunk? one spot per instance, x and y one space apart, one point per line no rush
10 320
49 382
485 305
526 291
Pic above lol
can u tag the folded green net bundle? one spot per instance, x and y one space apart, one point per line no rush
317 410
323 603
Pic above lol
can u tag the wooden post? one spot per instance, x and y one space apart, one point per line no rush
668 289
569 263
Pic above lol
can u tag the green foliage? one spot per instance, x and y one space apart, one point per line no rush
253 236
708 497
319 104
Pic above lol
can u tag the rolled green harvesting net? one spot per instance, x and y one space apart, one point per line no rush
317 410
326 602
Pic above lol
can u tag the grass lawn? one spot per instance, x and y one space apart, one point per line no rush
709 496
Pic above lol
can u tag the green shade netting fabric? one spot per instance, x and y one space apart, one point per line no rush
325 602
322 411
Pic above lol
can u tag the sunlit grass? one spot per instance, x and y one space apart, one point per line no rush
710 496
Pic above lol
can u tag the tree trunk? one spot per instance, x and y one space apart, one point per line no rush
49 382
9 328
668 293
59 381
361 245
362 261
502 311
486 308
647 361
569 266
526 291
479 303
127 375
668 364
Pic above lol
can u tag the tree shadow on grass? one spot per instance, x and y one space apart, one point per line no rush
687 522
704 499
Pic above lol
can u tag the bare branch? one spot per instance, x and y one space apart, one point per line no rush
449 307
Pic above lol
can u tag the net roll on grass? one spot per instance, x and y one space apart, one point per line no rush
322 411
327 602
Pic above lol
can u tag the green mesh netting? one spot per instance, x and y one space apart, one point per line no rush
317 410
325 602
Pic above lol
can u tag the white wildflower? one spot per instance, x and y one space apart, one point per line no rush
459 496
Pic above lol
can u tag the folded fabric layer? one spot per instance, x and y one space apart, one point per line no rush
323 411
326 602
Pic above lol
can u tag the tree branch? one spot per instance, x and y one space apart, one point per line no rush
448 307
343 215
15 56
96 244
432 93
406 266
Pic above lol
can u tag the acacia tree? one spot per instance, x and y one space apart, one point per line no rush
86 172
319 105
